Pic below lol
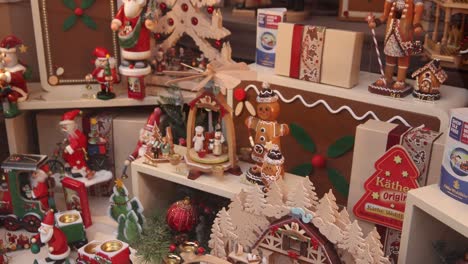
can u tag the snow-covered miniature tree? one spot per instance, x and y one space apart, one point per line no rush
255 201
129 229
342 221
364 255
275 206
216 242
196 18
325 219
352 239
240 220
376 248
332 198
226 226
303 196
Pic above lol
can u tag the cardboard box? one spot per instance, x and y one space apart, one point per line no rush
319 54
370 145
127 130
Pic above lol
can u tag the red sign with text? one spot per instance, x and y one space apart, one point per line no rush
386 190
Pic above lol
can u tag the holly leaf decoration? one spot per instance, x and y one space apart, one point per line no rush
70 4
88 21
86 3
302 137
303 169
338 181
69 22
340 147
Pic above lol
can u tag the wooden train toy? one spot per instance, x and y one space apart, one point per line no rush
109 252
17 208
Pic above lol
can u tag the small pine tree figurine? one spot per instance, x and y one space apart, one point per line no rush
128 213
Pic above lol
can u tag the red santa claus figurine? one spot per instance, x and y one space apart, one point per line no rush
12 76
105 73
40 188
75 152
146 134
58 249
134 32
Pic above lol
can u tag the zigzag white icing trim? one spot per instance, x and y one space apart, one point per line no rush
333 111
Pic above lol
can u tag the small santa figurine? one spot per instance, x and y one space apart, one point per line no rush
134 32
198 139
146 136
12 76
57 245
104 73
40 188
75 152
218 142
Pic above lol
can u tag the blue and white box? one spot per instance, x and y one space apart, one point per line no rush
268 20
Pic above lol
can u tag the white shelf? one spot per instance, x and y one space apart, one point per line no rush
452 97
227 186
431 215
71 97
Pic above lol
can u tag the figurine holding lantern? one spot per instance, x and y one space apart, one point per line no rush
403 18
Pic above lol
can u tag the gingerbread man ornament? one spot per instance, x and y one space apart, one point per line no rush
266 128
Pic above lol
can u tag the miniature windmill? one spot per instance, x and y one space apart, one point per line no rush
198 159
222 74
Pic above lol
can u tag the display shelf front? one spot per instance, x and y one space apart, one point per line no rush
430 216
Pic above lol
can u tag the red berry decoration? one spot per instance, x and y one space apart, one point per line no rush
170 21
240 94
184 7
319 161
158 36
172 247
163 6
218 43
201 251
182 216
194 21
210 10
78 11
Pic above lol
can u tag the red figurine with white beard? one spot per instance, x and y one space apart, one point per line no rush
40 188
12 76
55 238
105 73
134 32
75 152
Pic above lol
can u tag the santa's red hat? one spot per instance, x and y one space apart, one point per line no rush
48 219
100 53
9 44
69 117
45 168
153 119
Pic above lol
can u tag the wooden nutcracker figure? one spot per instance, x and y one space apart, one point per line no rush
266 128
403 18
272 168
218 142
104 73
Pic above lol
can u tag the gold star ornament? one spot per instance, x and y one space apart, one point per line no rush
404 174
375 195
119 183
397 159
23 48
387 173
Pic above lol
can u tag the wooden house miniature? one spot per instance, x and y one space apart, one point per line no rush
200 160
291 239
429 78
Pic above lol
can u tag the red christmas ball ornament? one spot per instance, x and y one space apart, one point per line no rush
210 10
194 21
182 216
163 6
318 161
172 247
218 43
240 94
170 21
201 251
184 7
78 11
157 36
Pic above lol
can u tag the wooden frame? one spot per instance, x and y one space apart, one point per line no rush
58 48
357 10
73 187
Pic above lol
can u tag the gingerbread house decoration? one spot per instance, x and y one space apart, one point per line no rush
295 227
212 101
429 78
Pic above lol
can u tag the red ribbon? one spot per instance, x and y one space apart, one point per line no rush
394 136
295 63
293 255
